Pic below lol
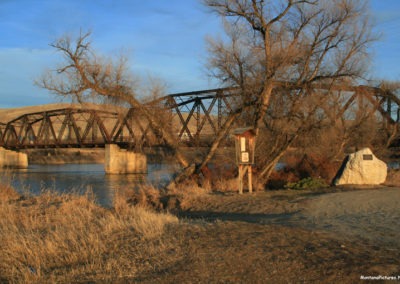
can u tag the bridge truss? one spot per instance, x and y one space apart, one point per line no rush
195 118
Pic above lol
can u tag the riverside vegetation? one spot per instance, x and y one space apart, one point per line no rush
66 237
218 237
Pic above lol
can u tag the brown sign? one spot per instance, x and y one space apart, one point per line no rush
367 157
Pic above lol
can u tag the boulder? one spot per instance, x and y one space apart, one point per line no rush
361 167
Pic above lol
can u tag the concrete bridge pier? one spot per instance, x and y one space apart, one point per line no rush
12 159
118 161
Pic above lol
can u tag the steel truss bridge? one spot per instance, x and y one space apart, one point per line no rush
195 118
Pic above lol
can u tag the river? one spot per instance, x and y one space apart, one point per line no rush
82 177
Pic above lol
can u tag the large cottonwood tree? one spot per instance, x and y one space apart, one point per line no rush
295 44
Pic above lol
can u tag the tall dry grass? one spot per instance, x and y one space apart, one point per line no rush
68 238
149 197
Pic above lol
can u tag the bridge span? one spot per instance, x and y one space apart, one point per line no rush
194 117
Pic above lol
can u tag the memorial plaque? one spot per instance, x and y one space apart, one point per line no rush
367 157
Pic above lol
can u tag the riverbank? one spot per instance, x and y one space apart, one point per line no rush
331 235
59 156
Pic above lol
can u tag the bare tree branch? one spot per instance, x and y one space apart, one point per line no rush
85 76
298 42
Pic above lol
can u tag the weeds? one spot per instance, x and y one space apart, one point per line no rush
307 183
64 237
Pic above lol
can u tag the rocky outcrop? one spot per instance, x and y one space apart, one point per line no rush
362 167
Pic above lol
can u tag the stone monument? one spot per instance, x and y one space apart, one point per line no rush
361 167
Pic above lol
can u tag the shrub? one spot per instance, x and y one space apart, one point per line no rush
307 183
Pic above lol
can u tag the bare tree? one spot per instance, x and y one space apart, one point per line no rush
289 117
85 76
293 44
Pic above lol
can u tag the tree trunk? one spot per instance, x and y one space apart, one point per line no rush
392 134
269 168
263 106
276 156
192 169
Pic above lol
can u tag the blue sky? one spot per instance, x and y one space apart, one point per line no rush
164 38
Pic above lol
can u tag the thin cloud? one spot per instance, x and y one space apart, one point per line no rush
165 38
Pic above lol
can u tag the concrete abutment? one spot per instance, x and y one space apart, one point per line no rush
119 161
13 159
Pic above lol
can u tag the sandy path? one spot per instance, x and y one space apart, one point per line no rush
368 214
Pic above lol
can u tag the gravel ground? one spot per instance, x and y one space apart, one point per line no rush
372 214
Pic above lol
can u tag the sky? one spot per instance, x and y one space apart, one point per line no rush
163 39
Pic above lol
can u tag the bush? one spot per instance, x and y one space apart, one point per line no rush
307 183
312 165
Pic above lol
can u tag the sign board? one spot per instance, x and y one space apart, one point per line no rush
242 144
244 152
245 157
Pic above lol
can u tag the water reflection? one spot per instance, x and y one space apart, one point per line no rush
82 177
393 165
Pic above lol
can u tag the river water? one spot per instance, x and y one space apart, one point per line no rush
82 177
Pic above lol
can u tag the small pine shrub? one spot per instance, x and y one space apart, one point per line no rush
307 183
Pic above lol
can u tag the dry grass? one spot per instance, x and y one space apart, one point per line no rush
146 196
7 194
63 238
55 238
152 198
183 196
227 185
232 185
147 223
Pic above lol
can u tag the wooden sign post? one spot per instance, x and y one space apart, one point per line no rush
244 146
